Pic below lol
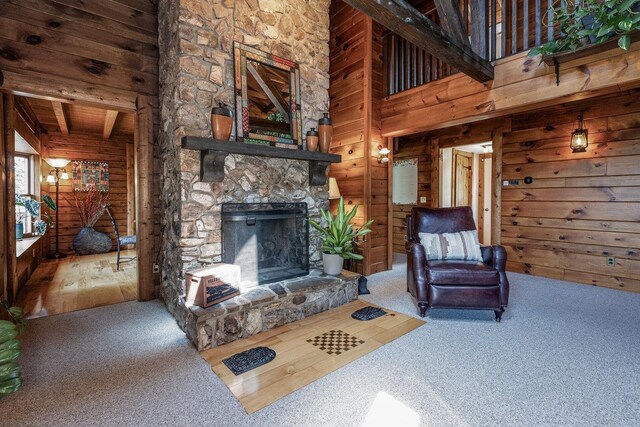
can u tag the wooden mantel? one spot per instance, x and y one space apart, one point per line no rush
214 153
520 84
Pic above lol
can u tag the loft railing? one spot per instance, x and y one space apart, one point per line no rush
496 28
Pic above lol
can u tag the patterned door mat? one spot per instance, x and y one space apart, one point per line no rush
249 359
335 342
368 313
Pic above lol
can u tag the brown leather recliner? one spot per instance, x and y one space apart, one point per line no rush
451 283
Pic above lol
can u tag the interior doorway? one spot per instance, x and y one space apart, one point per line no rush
83 156
465 180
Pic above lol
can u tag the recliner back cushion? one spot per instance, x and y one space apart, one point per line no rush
463 245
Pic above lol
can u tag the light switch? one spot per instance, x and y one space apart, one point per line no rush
423 199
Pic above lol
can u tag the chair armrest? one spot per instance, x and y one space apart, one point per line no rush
417 270
495 256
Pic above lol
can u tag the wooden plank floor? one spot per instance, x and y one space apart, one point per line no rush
77 283
299 362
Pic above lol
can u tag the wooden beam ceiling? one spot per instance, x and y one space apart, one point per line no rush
61 116
451 20
407 22
109 121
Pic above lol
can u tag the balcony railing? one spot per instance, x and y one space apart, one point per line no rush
496 28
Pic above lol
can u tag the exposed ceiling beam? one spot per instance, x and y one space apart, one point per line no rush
408 23
109 121
270 89
451 21
60 110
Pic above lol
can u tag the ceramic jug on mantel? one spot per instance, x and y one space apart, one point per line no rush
312 140
325 133
221 122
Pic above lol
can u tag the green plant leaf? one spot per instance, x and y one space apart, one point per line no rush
625 42
49 202
8 368
13 344
9 355
8 334
10 386
13 373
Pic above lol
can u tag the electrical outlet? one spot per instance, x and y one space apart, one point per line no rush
611 261
156 268
423 199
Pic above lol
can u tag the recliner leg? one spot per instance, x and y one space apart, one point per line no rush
423 306
499 314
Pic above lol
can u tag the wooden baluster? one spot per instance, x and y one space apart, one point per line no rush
429 69
479 16
538 23
407 64
525 24
494 37
550 21
401 61
503 29
421 67
514 26
414 65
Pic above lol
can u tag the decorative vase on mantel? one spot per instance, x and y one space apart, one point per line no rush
325 133
89 241
221 122
312 140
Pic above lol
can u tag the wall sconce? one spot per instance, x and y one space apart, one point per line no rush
579 137
384 155
487 148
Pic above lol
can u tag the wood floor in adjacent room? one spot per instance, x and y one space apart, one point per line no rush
77 283
306 351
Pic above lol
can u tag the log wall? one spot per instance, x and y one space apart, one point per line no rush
581 207
356 91
90 148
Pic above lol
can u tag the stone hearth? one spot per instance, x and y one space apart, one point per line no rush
269 306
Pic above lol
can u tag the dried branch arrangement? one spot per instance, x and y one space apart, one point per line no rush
90 205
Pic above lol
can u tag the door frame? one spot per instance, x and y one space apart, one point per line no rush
142 106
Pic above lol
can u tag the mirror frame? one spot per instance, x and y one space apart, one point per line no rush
241 53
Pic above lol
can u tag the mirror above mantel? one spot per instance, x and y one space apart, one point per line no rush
268 109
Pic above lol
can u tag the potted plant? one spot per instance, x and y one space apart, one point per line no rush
10 369
592 21
338 235
32 209
90 206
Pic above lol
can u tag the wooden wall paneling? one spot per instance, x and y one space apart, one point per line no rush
144 201
368 95
390 250
496 191
131 197
10 185
90 148
435 172
565 224
4 241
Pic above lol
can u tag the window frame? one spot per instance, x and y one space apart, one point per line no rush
31 186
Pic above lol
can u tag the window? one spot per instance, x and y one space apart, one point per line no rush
25 186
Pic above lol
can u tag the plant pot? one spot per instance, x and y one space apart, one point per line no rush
89 241
19 231
332 264
221 122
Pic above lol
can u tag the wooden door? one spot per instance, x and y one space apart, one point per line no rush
462 178
484 198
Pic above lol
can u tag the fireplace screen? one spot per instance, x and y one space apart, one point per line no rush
269 241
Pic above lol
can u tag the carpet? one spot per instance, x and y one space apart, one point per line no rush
306 351
564 354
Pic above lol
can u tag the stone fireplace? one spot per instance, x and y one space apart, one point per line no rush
269 241
197 72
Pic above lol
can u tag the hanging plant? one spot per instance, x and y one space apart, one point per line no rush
592 21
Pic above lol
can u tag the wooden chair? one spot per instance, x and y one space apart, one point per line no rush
121 240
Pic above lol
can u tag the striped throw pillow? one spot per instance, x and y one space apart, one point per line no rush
463 245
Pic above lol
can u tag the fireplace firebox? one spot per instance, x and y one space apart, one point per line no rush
269 241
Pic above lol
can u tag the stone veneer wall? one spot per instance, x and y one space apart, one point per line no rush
196 71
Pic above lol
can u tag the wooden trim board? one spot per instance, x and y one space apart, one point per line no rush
298 362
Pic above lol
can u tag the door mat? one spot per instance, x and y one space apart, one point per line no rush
249 359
